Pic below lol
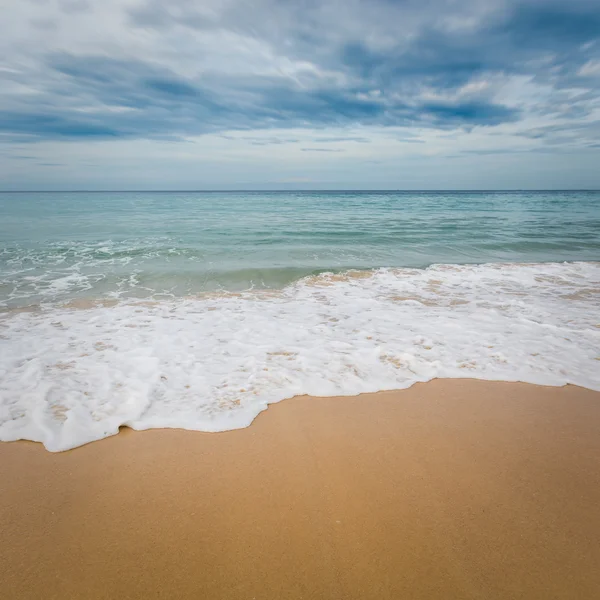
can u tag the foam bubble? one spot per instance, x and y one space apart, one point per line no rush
69 376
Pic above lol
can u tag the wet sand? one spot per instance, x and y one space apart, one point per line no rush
450 490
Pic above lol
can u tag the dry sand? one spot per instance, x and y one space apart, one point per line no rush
452 489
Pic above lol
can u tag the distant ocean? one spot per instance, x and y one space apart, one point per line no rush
197 310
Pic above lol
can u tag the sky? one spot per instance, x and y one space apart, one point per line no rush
299 94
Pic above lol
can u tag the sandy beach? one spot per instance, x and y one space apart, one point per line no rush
451 489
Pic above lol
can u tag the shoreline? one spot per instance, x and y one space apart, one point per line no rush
449 489
213 364
327 274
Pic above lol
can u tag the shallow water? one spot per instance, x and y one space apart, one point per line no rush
55 247
198 310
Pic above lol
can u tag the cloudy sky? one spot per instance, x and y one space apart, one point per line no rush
288 94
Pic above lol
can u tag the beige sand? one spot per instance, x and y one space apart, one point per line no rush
452 489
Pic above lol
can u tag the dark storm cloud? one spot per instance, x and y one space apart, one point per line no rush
153 102
510 41
381 63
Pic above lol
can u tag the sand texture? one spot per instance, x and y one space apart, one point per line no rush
453 489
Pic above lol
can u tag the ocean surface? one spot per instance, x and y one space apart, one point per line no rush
197 310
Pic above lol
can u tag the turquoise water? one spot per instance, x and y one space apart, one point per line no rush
336 294
55 247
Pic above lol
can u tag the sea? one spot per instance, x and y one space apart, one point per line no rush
196 310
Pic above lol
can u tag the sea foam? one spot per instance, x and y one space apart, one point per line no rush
69 375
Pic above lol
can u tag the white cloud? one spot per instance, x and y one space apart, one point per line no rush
97 88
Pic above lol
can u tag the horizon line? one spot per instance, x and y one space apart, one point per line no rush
339 190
